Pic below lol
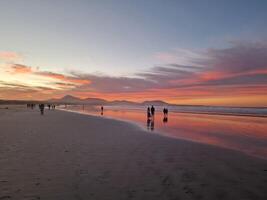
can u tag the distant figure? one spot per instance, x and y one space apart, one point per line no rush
150 120
49 106
148 113
102 110
41 106
152 110
54 107
165 111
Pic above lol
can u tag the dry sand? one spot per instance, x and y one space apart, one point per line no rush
65 156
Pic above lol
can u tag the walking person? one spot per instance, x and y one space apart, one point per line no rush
152 110
102 110
165 111
41 106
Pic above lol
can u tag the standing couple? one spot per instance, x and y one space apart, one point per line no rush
150 111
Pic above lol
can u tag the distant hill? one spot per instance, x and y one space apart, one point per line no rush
66 99
75 100
69 98
123 102
97 101
155 103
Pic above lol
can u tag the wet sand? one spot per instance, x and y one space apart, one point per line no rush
242 133
65 156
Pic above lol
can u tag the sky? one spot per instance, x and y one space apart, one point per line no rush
180 51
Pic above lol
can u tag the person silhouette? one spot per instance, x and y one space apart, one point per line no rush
41 106
152 110
148 113
102 110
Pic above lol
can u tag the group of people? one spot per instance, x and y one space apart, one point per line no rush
165 111
42 107
165 115
53 106
151 114
31 105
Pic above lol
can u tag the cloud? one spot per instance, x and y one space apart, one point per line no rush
109 84
21 69
61 77
67 80
240 69
240 57
8 56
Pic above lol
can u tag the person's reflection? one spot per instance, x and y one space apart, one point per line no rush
165 119
150 123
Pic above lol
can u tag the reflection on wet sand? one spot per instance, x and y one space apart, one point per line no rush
165 119
246 134
150 124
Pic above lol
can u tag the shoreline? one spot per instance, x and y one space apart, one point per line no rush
161 132
65 155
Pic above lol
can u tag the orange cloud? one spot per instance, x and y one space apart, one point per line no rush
21 69
235 74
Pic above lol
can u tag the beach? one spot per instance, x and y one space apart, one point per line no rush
65 156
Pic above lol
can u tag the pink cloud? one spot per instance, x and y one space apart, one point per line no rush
9 56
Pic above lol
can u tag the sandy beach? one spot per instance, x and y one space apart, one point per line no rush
65 156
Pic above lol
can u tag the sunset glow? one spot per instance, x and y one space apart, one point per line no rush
232 74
